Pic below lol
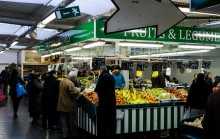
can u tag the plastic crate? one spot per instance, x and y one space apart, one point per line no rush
191 132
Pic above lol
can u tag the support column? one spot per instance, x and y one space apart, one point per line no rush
122 52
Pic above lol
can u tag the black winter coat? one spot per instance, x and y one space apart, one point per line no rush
106 111
50 94
158 82
34 97
211 121
12 83
198 95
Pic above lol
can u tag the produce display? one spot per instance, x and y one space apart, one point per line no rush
196 123
135 97
160 94
93 97
179 93
87 81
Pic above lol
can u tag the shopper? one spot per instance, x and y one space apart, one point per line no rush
198 94
217 80
211 121
106 110
13 79
5 77
67 105
208 79
34 98
119 78
157 79
195 77
49 100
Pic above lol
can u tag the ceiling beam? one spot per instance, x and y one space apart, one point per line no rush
24 22
63 4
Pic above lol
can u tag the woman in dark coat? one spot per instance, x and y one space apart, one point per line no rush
106 110
49 101
13 79
198 95
34 97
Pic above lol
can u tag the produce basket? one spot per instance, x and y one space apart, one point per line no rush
191 132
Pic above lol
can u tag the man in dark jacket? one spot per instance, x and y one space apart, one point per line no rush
211 121
106 111
157 79
49 101
198 95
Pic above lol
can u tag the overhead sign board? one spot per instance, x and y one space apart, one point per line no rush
66 13
200 4
133 14
205 6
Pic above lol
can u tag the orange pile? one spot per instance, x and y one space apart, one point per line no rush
93 97
150 98
119 100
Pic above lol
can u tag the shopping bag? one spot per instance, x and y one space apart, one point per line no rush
2 96
20 90
186 115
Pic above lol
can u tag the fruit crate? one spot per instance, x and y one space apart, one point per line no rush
191 132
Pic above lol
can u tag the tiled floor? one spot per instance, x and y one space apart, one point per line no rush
21 128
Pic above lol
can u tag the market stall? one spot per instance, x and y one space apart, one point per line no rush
133 118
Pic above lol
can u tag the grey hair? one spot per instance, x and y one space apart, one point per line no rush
102 68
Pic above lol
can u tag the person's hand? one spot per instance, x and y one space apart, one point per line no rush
82 88
122 87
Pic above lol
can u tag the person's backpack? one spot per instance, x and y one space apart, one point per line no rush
2 96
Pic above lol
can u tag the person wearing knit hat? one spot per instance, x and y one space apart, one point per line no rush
67 105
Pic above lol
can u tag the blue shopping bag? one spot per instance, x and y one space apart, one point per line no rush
20 90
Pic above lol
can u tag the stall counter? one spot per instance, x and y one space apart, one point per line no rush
133 118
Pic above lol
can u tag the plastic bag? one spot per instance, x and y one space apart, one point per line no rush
20 90
2 96
186 115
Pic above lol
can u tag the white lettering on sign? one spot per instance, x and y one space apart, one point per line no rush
75 11
173 35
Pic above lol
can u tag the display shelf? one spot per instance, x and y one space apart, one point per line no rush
133 118
38 68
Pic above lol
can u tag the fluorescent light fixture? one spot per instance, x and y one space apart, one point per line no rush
164 55
14 43
139 56
56 53
93 44
49 18
207 35
196 47
56 44
73 49
169 54
40 25
192 52
187 10
141 45
47 55
82 58
18 47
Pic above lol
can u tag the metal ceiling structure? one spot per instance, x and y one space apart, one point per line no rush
19 19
